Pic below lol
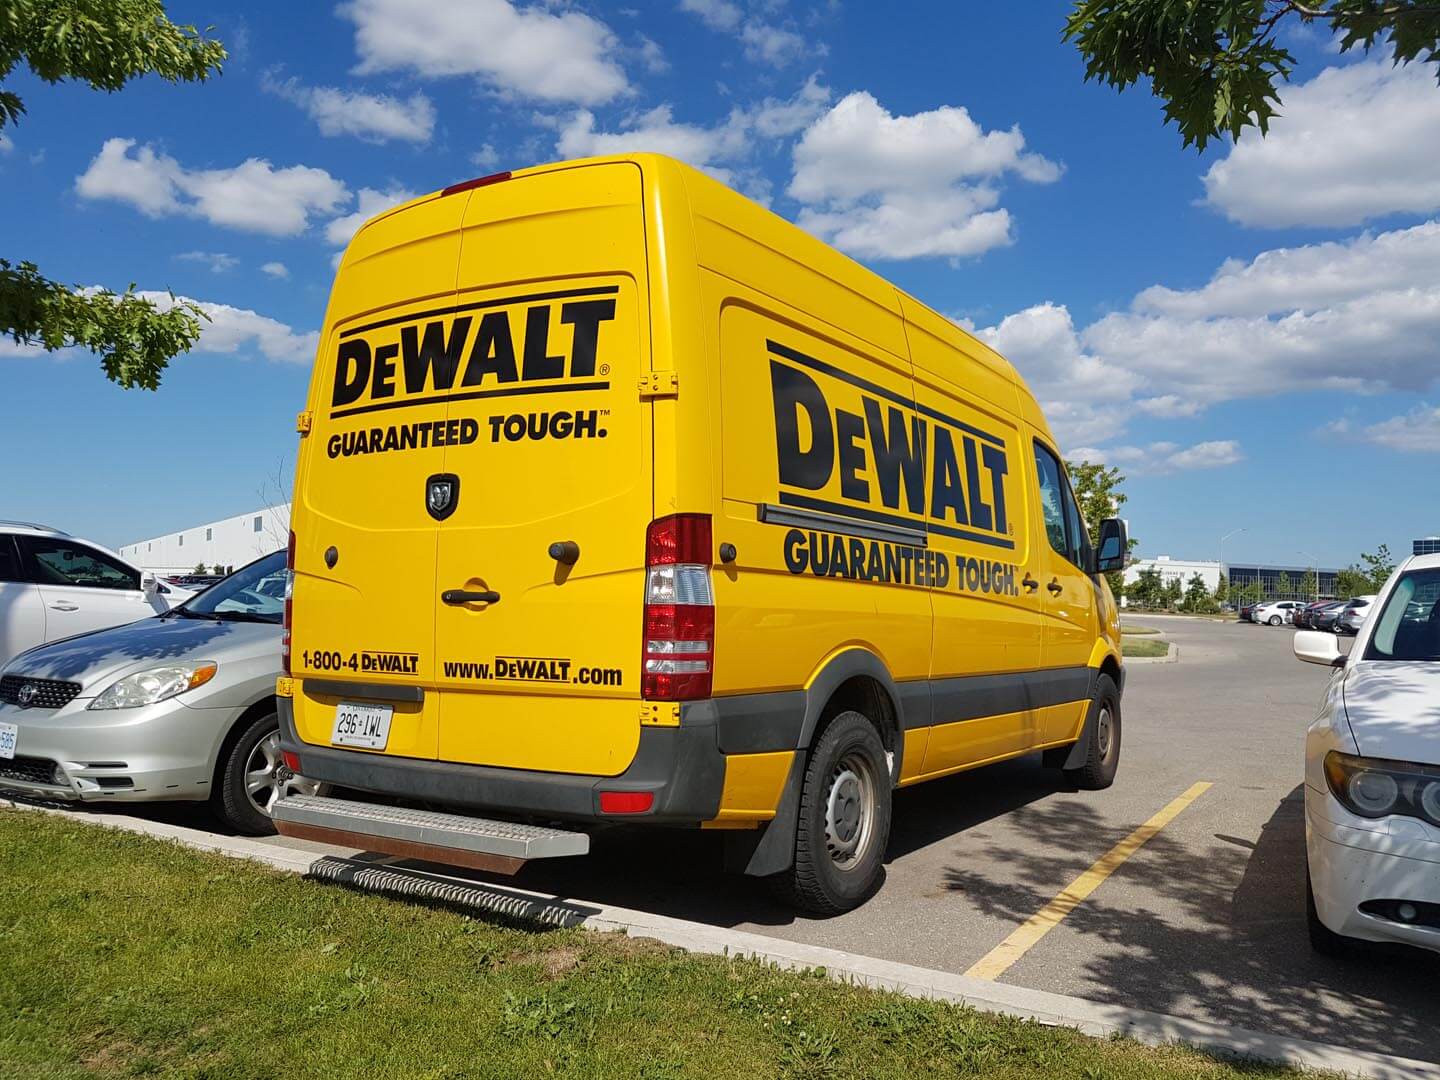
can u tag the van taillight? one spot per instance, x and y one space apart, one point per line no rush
479 181
678 652
289 589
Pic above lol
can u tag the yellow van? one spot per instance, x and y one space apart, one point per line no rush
620 499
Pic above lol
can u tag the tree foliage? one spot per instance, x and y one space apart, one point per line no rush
1198 598
1217 64
104 43
1377 566
1308 586
1098 494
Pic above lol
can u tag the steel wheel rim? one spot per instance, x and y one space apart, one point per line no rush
267 780
1104 724
850 811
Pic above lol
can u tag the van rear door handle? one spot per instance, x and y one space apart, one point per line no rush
1055 587
465 596
1030 583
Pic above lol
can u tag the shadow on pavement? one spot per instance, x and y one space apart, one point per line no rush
1238 957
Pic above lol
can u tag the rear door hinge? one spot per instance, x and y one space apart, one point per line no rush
659 384
302 423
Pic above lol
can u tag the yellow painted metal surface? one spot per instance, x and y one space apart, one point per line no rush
753 783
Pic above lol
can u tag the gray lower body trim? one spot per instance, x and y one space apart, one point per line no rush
974 697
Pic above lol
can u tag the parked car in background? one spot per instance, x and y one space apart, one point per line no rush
1324 618
180 706
53 586
194 581
1247 611
1277 612
1354 614
1303 614
1372 772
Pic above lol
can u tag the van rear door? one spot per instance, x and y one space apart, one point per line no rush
540 564
365 552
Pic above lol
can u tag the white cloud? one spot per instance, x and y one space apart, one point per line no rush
763 41
1361 316
487 157
653 56
718 150
1355 142
899 187
254 195
276 270
545 55
370 202
217 261
6 143
1416 432
371 117
1163 457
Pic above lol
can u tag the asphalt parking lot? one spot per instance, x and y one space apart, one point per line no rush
1206 920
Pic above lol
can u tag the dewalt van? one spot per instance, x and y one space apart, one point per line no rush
620 499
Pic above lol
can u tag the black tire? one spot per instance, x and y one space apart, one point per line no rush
1102 757
825 879
1322 939
230 801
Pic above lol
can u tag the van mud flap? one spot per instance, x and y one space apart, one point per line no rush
453 839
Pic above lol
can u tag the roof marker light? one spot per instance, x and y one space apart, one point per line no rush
479 181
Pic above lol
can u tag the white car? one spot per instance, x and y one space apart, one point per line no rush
54 586
1277 612
1372 772
1354 615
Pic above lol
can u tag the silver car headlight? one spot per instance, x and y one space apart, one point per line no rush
1376 788
156 684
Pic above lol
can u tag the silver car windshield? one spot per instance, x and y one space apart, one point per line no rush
254 593
1409 626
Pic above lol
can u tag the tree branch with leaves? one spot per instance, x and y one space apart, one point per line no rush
1217 64
106 44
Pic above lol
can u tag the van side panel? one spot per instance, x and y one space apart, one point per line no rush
986 622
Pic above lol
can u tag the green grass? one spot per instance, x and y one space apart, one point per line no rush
1145 648
1128 630
127 956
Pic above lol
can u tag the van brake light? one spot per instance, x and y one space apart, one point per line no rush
289 589
678 650
479 181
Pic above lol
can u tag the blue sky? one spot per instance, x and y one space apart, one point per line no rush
1250 334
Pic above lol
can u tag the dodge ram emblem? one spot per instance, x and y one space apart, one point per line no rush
442 492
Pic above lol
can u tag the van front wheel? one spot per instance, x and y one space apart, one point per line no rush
844 821
1102 755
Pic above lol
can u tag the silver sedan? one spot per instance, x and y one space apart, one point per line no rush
181 706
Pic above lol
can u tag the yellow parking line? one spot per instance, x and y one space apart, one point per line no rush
998 960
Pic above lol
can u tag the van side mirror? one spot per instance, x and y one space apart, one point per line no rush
1113 550
1318 647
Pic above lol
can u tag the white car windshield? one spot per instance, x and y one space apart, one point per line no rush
254 593
1409 626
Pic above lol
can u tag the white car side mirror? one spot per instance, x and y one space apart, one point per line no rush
149 585
1318 647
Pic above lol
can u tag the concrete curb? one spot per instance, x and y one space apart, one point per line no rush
1171 657
1057 1010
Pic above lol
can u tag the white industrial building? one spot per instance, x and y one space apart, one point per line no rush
230 542
1181 570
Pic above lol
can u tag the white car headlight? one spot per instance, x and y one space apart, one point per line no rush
156 684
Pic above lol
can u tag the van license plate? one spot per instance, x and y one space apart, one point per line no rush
8 734
366 726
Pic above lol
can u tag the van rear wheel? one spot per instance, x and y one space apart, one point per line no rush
844 821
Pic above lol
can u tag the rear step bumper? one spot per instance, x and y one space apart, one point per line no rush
501 846
681 766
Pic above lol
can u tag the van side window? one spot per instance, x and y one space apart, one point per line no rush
1052 499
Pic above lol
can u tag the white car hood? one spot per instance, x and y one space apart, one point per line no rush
1394 709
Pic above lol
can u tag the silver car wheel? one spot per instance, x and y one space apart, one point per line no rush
267 780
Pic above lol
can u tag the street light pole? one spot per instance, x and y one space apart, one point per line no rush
1227 536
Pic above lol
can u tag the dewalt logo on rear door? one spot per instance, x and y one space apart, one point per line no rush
493 349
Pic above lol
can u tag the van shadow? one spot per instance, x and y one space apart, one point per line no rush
1180 940
679 872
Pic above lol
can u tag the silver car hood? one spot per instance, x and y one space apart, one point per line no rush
1394 709
97 659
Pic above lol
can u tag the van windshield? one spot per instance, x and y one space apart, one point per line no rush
1409 626
254 593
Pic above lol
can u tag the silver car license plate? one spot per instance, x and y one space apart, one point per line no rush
8 734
